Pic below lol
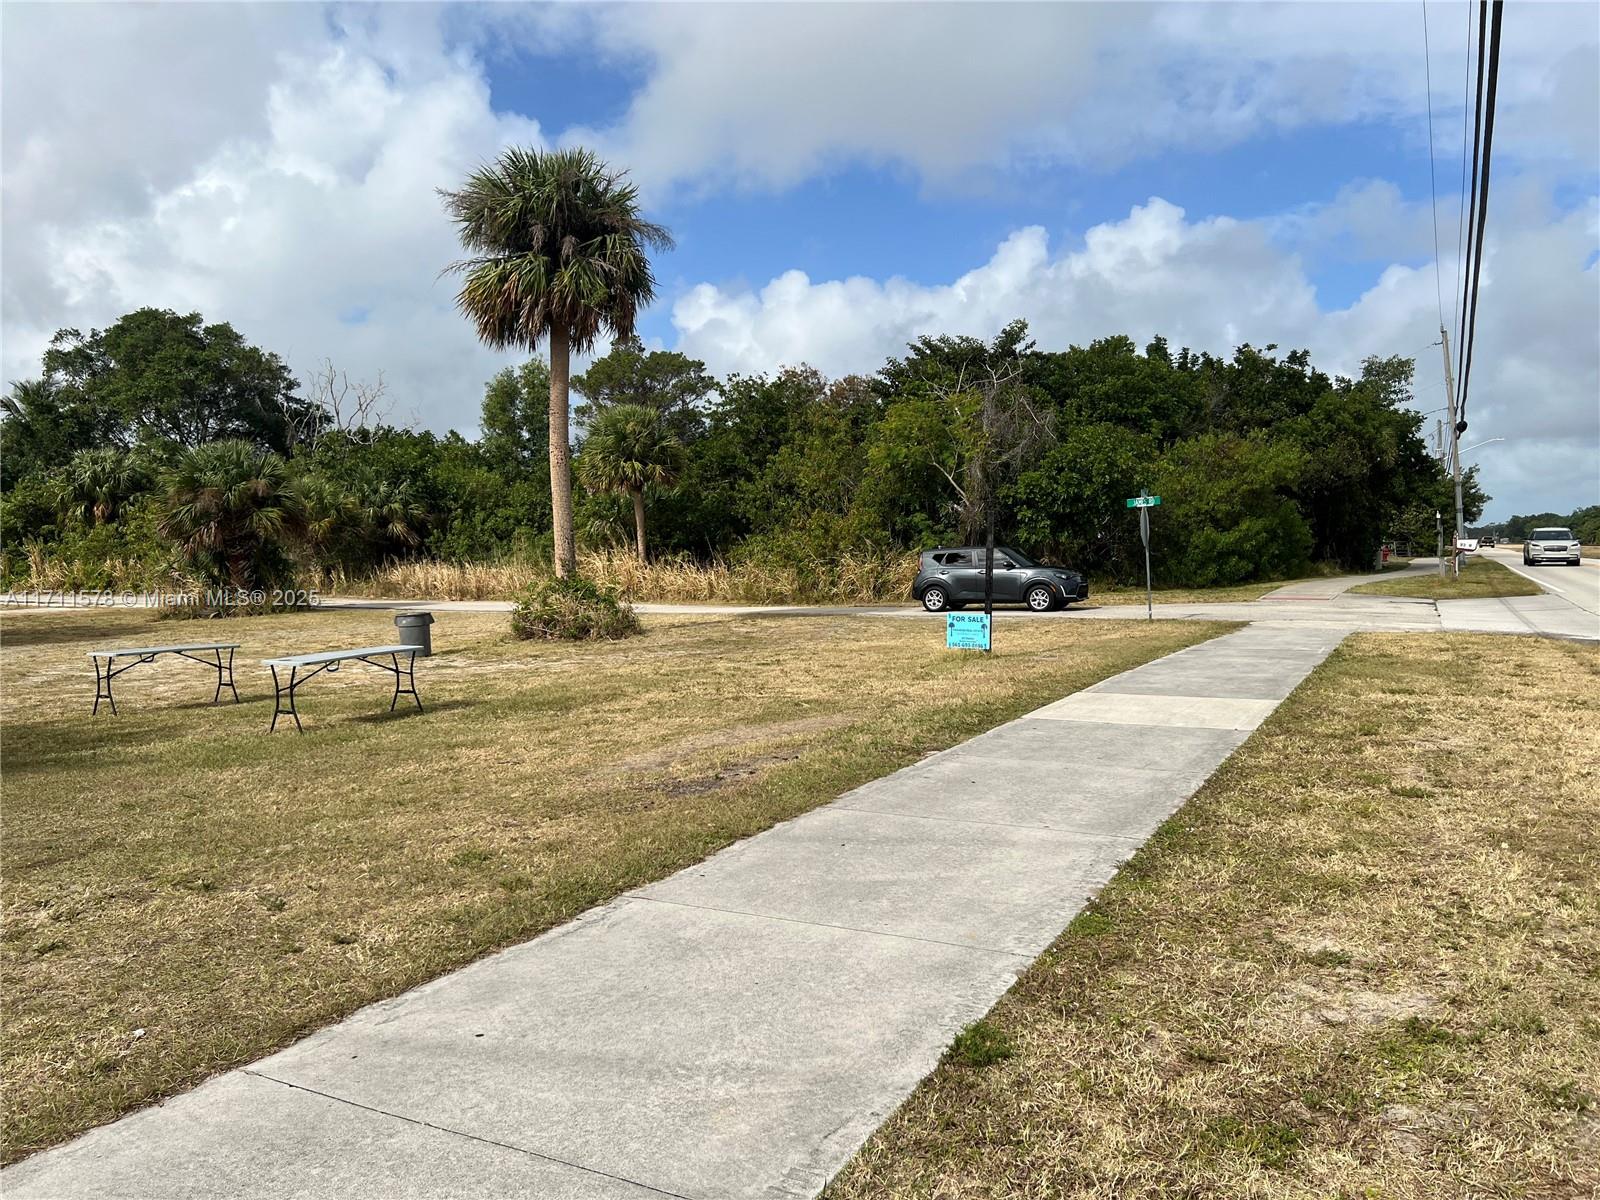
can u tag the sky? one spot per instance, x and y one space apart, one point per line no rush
840 179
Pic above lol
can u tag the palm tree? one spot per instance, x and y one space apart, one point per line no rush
232 510
629 448
558 251
99 482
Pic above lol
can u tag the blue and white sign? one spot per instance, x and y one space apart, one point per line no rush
966 631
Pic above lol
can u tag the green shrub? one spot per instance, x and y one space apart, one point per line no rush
572 609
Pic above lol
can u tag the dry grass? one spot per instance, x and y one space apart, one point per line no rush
1480 579
182 893
851 579
51 573
1363 962
848 579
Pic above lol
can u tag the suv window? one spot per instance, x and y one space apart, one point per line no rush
1551 535
954 558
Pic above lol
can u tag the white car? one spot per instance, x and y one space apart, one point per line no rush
1551 545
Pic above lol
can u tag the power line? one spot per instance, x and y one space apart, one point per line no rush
1433 184
1461 202
1472 193
1482 203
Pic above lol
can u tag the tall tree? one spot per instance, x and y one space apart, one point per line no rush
558 251
997 422
42 424
515 418
628 450
673 384
157 375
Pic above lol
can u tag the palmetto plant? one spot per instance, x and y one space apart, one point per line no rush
558 251
392 516
99 482
629 449
333 518
232 511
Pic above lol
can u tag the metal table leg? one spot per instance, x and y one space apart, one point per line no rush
278 692
102 687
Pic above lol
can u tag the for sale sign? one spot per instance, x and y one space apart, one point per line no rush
966 631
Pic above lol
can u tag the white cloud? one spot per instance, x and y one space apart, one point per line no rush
1211 284
765 95
312 223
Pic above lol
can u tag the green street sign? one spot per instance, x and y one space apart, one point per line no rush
1143 501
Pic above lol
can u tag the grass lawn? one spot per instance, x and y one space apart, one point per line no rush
1356 964
1235 593
182 893
1481 579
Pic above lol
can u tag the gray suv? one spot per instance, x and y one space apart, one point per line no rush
952 577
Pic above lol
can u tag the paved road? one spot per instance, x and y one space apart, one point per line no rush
1571 609
1578 585
735 1030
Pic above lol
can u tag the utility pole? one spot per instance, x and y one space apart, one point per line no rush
1455 451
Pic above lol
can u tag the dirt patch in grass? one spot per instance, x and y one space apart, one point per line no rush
182 893
1308 985
1480 579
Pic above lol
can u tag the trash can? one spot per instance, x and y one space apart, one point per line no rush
414 631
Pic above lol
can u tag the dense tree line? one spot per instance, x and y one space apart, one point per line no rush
1265 464
1584 523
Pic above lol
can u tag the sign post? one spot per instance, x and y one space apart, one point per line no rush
988 579
1144 502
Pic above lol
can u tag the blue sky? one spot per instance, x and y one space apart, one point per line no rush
841 178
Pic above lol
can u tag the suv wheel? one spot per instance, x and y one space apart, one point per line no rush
1041 598
935 599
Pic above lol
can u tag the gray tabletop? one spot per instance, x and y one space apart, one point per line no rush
137 651
307 660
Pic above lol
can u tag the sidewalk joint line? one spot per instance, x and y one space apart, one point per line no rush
904 937
382 1112
1116 837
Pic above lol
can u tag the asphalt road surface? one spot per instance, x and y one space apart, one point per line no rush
1578 585
1569 608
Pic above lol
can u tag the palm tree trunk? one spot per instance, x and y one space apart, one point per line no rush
638 520
566 549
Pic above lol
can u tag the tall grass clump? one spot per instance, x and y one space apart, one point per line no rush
46 569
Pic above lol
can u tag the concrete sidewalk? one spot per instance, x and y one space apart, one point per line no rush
738 1029
1337 585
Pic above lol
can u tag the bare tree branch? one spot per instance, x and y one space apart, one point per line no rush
335 405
